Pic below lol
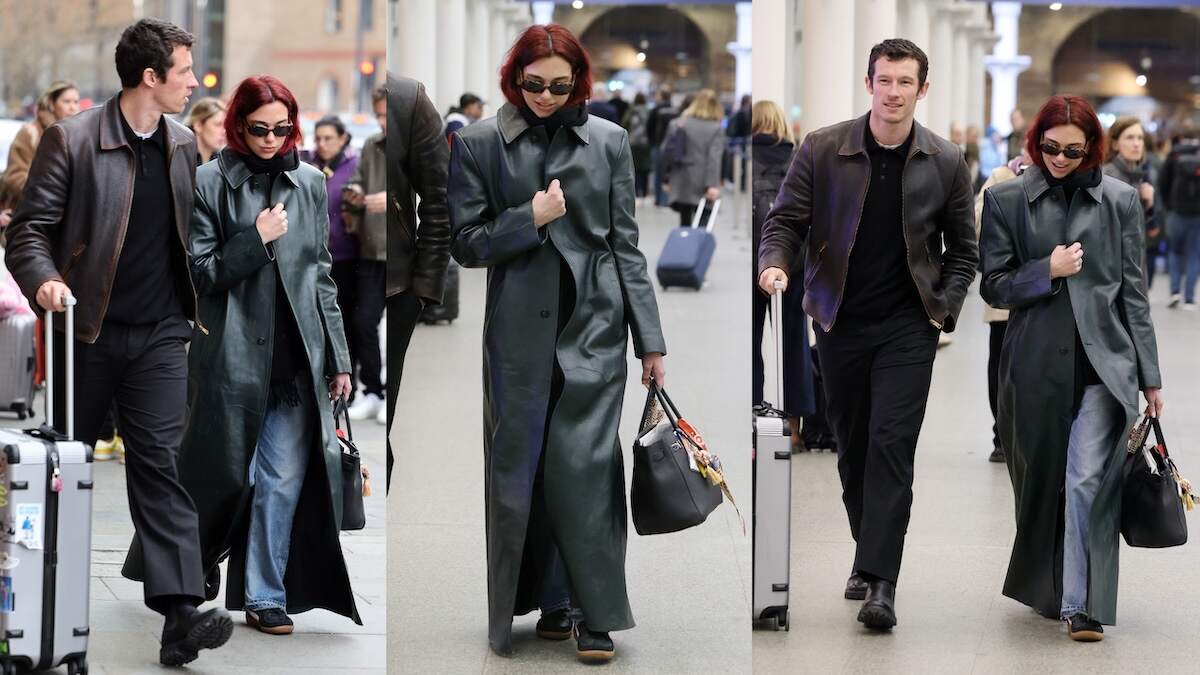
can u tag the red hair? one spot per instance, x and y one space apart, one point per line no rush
1062 110
543 41
251 94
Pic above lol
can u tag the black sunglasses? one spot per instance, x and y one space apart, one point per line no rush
558 88
281 130
1071 151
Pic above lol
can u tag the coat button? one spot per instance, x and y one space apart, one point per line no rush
1054 197
545 314
262 341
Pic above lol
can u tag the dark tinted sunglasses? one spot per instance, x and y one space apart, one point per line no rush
558 88
281 131
1071 151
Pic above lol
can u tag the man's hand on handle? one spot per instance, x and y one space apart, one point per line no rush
766 280
50 295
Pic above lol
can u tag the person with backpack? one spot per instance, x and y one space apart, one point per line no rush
1180 189
636 121
692 154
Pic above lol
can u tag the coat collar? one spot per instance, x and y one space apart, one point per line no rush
112 135
855 144
1035 185
236 172
512 125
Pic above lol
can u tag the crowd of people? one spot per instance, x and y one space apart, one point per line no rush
229 290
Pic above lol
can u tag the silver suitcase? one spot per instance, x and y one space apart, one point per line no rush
45 504
772 519
17 364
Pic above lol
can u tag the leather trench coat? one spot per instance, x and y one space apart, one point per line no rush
1105 304
496 167
230 371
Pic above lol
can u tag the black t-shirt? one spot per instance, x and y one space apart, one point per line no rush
878 281
144 288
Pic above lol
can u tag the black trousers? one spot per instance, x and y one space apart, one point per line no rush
371 298
876 386
403 310
144 370
345 276
995 343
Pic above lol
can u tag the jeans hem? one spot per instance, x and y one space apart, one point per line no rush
260 606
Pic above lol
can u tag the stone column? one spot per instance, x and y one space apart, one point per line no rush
874 22
960 65
916 29
418 24
772 37
741 50
500 41
829 80
1005 65
543 12
480 75
451 61
981 44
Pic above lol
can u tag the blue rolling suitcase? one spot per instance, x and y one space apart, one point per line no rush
688 252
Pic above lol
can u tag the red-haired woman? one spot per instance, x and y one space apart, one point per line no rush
269 352
542 195
1062 247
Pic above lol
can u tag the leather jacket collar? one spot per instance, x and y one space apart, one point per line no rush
1033 180
236 172
112 134
854 143
512 125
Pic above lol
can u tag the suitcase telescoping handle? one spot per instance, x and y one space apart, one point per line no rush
69 336
712 216
777 332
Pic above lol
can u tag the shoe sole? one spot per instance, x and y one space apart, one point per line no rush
856 595
596 655
253 622
1085 635
553 635
876 618
208 634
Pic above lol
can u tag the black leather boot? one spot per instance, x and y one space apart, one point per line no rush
879 610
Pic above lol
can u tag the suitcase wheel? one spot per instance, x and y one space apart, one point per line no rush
9 668
79 667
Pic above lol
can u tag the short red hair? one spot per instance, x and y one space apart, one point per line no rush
1062 110
543 41
251 94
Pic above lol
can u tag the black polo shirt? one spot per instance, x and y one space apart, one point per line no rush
878 281
144 288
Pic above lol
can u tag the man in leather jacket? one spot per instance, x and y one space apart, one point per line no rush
882 209
418 159
104 217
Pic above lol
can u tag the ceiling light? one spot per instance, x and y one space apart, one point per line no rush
1055 6
578 4
641 57
1141 80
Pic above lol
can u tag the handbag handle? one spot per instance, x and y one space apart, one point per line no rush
668 405
340 409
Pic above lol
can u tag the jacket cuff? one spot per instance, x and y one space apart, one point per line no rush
774 259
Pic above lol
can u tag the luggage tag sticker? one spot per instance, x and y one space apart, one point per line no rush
7 597
7 561
29 526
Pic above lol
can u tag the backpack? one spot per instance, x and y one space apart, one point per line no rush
635 122
1185 184
674 147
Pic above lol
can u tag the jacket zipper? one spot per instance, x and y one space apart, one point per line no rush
186 263
908 253
73 259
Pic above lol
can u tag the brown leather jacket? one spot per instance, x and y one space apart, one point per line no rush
821 202
74 211
417 159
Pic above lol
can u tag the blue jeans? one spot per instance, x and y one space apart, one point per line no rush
1184 233
1095 432
277 474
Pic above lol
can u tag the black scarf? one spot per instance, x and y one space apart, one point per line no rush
275 165
1075 180
566 116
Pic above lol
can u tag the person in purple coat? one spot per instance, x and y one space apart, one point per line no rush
336 159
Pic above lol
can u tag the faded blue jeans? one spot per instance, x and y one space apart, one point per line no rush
1095 432
1183 234
277 474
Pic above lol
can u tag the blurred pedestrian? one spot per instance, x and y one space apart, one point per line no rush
656 129
58 102
129 273
468 111
598 107
636 123
366 195
566 252
1180 190
259 457
1079 346
1016 138
692 149
418 236
739 129
856 201
207 120
772 144
337 161
1128 161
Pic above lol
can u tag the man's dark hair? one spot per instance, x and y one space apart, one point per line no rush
468 99
898 49
378 93
148 44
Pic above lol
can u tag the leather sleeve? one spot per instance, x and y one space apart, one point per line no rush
428 162
476 238
1007 282
961 257
217 265
788 221
35 225
641 307
337 352
1132 304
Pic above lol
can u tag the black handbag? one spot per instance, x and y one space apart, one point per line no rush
667 495
354 515
1152 501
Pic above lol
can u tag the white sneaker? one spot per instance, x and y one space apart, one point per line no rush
365 406
1174 301
1189 306
381 416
